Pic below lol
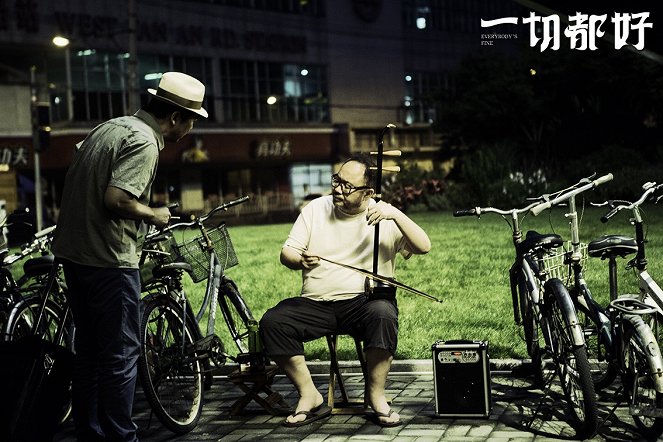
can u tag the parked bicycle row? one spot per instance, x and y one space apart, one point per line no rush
567 332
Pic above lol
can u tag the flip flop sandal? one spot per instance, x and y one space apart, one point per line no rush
311 416
377 415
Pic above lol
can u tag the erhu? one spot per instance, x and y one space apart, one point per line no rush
377 286
373 287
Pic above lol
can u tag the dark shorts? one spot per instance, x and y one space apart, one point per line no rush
293 321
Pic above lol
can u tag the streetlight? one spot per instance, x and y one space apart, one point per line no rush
63 42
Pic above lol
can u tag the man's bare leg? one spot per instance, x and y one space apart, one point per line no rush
309 397
378 362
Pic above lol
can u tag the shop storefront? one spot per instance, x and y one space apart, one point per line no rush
209 166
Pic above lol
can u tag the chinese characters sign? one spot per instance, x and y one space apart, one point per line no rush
582 30
14 155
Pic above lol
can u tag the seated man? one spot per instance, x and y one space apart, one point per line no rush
339 227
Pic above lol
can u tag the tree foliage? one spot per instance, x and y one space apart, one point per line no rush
561 114
550 106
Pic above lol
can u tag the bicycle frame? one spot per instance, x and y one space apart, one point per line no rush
611 322
548 311
531 268
216 281
650 292
585 301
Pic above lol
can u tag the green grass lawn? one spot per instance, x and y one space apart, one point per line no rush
467 268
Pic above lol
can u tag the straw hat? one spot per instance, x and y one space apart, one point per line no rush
182 90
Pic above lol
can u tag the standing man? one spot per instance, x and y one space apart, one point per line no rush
339 227
105 199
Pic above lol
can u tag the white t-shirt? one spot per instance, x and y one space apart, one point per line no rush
346 239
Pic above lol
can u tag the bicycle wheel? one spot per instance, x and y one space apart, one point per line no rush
24 315
541 358
171 375
527 316
598 342
639 381
236 314
571 359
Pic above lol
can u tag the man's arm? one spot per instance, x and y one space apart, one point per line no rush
125 205
417 240
294 260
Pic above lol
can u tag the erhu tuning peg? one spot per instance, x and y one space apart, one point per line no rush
388 168
389 153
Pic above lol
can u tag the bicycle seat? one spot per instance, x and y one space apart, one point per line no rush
165 268
534 240
38 266
610 246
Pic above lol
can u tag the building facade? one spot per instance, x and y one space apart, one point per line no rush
293 86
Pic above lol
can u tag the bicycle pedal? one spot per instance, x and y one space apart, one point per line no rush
207 344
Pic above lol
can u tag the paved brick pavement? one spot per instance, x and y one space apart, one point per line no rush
519 413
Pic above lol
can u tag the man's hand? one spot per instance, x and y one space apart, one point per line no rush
161 216
381 210
417 240
294 259
309 261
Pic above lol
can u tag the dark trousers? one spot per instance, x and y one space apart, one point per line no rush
293 321
106 307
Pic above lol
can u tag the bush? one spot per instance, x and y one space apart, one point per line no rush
497 176
631 169
415 190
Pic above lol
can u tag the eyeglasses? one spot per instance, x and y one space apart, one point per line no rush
346 187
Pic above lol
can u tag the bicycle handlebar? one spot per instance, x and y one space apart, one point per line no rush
467 212
196 221
478 211
568 194
39 242
650 188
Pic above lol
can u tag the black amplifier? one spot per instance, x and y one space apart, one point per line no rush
462 378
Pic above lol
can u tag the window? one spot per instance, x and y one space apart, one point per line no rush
273 92
454 15
310 179
99 82
422 91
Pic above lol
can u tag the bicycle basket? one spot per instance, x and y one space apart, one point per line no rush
556 264
194 251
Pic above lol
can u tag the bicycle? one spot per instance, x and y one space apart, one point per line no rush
617 337
543 307
650 292
22 298
646 395
175 353
36 303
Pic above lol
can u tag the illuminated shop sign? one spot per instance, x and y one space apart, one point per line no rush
278 149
